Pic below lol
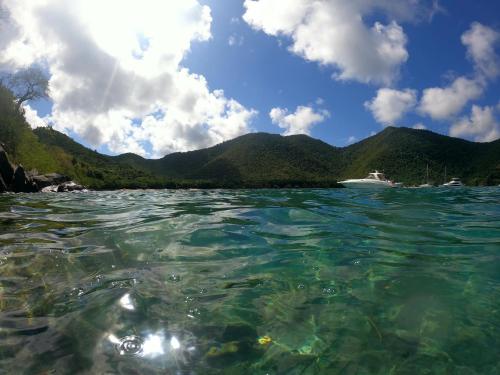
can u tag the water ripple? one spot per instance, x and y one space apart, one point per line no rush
251 281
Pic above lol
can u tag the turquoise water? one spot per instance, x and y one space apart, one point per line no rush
187 282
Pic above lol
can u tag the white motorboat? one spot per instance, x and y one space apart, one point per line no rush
455 182
374 180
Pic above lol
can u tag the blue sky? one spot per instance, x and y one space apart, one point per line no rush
262 73
277 75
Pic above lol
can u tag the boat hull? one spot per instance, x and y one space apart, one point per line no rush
366 184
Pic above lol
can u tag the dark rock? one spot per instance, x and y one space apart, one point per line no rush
56 178
3 186
41 181
69 186
6 168
22 183
51 179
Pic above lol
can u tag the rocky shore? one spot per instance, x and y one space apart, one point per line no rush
15 179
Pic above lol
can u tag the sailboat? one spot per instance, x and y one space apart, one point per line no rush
426 185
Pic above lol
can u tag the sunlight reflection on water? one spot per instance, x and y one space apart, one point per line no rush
251 282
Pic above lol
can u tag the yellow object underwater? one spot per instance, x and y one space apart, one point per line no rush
265 340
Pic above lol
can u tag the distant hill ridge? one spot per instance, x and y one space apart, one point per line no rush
254 160
261 159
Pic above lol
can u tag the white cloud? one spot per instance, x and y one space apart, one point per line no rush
481 125
107 79
419 126
299 122
32 117
444 103
481 41
335 33
389 105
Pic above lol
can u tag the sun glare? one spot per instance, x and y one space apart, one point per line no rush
142 34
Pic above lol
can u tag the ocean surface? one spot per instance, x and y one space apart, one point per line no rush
400 281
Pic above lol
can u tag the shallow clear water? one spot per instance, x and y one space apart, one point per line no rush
187 282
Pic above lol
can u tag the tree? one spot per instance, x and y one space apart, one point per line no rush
27 84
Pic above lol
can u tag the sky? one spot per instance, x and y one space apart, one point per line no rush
155 77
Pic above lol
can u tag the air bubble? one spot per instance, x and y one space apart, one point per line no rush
174 278
193 313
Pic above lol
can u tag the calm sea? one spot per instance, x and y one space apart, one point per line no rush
251 282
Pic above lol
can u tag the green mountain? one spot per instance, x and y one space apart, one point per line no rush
261 159
254 157
404 154
254 160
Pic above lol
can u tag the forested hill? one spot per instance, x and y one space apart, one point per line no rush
404 153
254 160
255 157
261 159
401 152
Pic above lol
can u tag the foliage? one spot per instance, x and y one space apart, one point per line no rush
27 84
256 160
405 153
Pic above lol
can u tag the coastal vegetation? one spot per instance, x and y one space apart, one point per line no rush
256 160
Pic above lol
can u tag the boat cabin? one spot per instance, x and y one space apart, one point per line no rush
454 182
376 176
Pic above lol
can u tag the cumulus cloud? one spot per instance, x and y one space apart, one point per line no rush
390 105
336 33
299 122
108 81
443 103
481 125
33 119
481 41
